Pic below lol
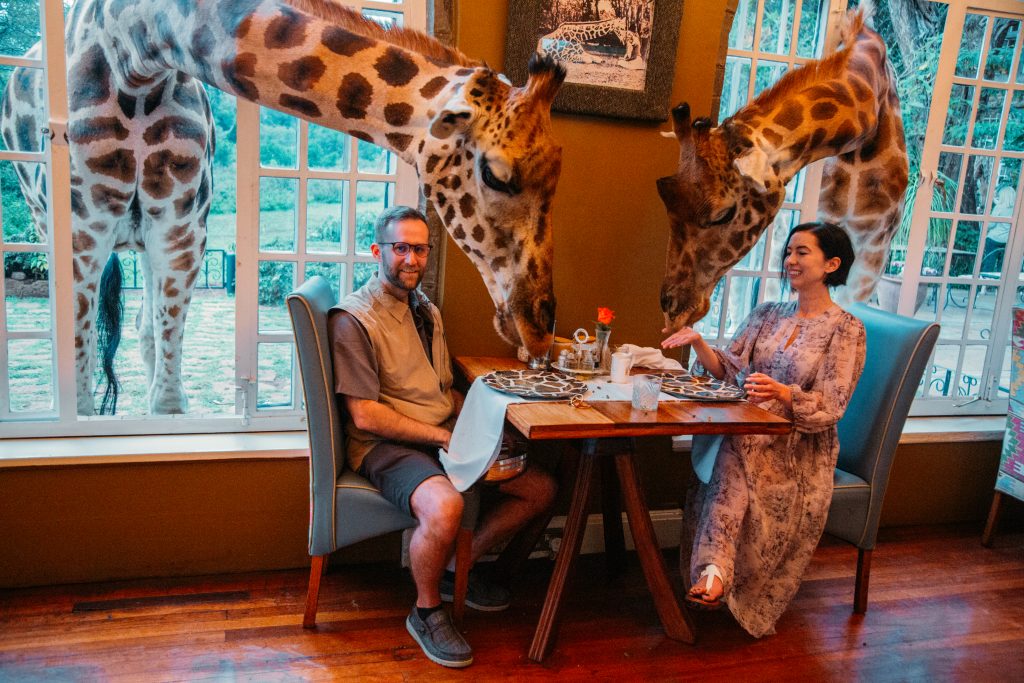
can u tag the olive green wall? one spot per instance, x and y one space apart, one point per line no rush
610 227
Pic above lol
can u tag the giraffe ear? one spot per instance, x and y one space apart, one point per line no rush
454 118
753 165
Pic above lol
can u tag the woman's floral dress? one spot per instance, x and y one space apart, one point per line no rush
762 514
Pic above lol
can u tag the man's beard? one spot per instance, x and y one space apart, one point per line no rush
394 277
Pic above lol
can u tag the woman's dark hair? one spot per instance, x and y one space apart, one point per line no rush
834 241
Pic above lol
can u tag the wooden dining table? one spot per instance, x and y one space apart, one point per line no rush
609 428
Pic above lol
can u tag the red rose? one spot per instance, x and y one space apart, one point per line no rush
605 315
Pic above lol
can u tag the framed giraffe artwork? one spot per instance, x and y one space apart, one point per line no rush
619 54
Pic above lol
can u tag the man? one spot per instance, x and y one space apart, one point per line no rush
392 368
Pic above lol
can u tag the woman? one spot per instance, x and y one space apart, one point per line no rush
758 520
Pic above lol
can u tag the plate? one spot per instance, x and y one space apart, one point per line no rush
702 388
578 372
534 383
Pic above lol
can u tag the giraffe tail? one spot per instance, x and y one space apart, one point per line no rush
108 328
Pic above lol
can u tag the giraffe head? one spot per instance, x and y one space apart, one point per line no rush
490 166
720 200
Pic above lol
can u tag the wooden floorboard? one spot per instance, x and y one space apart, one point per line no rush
941 607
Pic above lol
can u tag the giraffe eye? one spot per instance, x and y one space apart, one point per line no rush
724 217
492 181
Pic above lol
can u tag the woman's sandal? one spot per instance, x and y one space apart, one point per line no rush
697 600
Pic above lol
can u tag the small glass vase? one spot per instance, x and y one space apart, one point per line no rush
602 353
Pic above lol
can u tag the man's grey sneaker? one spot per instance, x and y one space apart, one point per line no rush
440 640
482 595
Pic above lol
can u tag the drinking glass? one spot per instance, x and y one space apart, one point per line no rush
645 392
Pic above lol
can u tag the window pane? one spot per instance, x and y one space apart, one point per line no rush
332 272
777 26
278 223
30 363
328 149
970 373
279 139
954 310
995 249
1003 386
708 326
372 198
970 45
743 293
980 323
976 181
795 188
741 35
944 195
383 17
783 223
989 118
1004 199
1001 48
20 27
374 159
735 86
209 353
28 138
326 213
961 98
810 36
18 222
965 249
274 375
768 74
220 224
27 291
936 244
361 274
277 280
1014 139
940 374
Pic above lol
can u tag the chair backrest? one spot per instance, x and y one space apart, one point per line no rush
898 349
308 307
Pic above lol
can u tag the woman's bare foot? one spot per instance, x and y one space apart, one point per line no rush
707 592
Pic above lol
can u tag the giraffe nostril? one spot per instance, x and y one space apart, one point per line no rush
666 300
546 314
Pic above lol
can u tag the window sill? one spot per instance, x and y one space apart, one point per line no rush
282 445
88 450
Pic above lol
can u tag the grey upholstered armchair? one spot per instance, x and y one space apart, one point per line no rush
898 349
344 507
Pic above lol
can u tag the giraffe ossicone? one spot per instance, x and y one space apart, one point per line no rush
142 140
731 179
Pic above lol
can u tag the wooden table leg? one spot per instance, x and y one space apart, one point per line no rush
676 622
611 515
993 519
572 538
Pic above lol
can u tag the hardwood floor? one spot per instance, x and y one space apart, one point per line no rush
941 607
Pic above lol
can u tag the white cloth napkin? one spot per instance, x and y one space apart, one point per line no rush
476 439
649 357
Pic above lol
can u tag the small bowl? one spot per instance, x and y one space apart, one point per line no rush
506 468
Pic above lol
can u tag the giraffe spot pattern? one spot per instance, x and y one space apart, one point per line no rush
361 135
790 116
184 204
238 73
110 200
307 108
395 67
433 86
78 204
126 103
478 233
286 30
236 15
459 233
354 95
178 126
821 111
467 206
399 141
86 131
159 167
183 262
82 241
343 42
186 93
91 78
119 164
398 113
83 306
301 74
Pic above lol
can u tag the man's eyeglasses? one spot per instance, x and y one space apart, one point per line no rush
403 248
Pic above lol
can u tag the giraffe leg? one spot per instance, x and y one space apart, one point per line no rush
88 267
144 322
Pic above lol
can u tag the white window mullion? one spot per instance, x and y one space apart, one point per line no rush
247 256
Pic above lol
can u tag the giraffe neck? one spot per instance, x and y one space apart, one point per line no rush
330 67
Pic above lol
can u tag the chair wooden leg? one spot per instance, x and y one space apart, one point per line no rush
860 591
463 552
316 572
993 519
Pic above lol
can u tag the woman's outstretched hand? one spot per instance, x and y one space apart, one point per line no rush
760 388
681 337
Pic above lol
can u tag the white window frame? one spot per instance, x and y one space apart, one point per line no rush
63 419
